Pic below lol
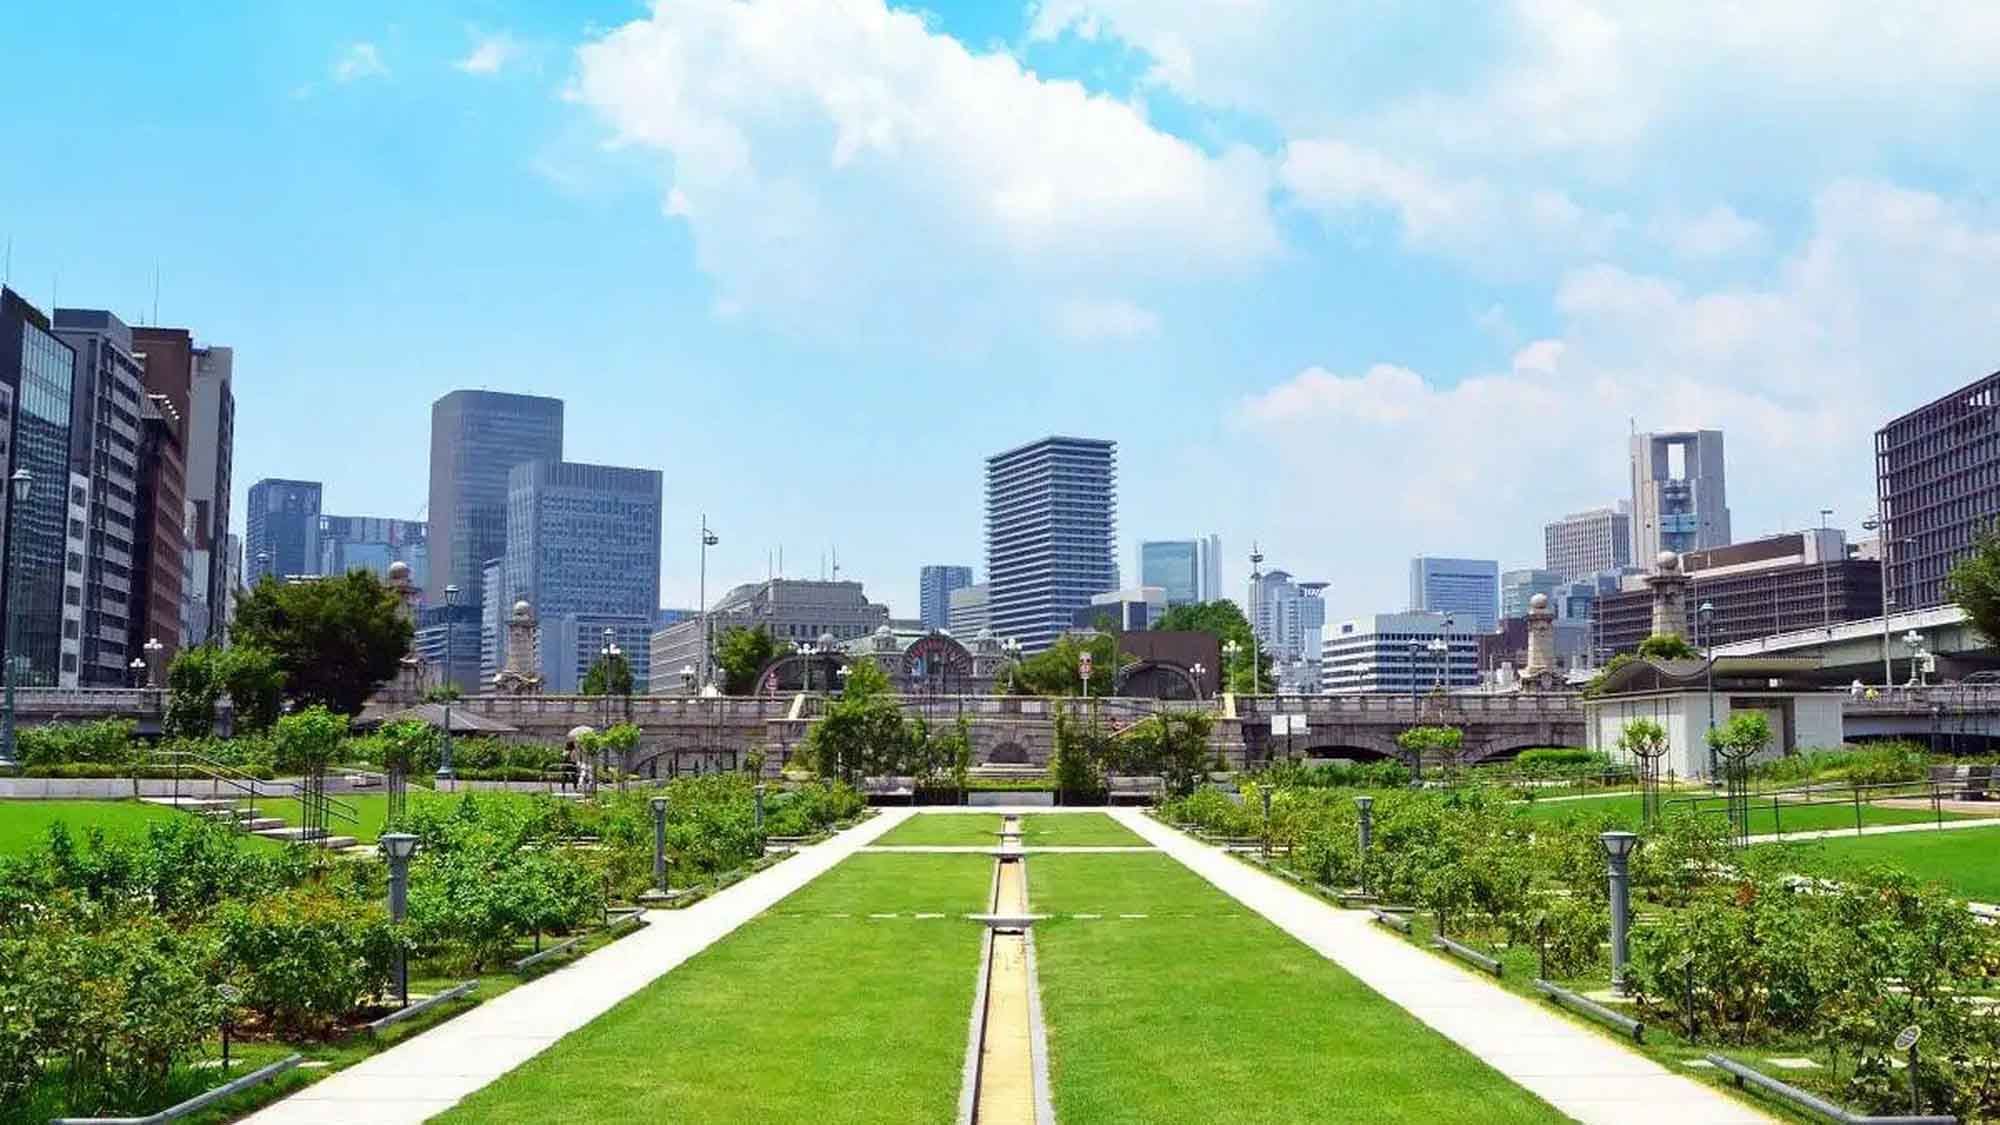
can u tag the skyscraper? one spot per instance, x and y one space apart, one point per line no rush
1585 543
583 540
1051 522
1189 570
1287 617
934 587
477 437
371 543
283 531
196 379
37 373
1467 589
1679 502
1937 488
105 409
159 546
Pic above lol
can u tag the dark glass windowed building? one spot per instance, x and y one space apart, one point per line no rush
1051 523
283 526
37 371
1937 479
477 437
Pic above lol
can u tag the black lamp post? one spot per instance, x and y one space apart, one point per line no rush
23 484
398 847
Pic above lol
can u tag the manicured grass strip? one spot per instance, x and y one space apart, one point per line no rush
24 825
946 829
1224 1019
1076 830
794 1017
1962 859
1623 811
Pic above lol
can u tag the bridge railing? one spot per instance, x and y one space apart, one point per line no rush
93 700
1402 707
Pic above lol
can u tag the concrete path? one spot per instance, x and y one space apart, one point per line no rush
1578 1071
1876 830
1029 849
431 1072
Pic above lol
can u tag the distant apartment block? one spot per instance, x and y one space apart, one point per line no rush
1393 653
1586 543
1051 527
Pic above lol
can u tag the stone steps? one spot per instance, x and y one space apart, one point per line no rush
296 835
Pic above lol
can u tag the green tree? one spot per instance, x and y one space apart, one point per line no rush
309 739
742 653
335 639
1974 581
256 686
1667 646
1226 621
1172 744
609 675
194 684
863 732
1054 670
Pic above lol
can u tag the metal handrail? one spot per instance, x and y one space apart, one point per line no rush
249 784
1804 797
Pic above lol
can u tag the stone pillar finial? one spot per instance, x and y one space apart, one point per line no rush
1541 639
1670 584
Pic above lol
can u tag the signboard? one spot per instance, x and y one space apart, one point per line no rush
1907 1038
1288 724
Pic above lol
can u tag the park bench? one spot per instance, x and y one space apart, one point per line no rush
1965 783
1135 790
883 790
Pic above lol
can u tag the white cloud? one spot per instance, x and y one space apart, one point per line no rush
357 61
1718 232
837 161
490 54
1893 299
1117 319
1469 217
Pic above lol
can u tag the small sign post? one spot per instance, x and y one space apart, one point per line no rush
1906 1040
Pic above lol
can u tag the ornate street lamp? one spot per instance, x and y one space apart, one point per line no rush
1198 671
1915 641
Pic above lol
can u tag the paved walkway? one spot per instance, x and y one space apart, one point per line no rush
1030 849
429 1073
1876 830
1578 1071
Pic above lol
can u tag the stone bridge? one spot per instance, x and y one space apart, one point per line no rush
685 733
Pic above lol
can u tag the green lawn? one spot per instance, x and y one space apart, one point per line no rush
1623 811
24 825
1221 1017
1962 859
797 1016
946 829
1076 830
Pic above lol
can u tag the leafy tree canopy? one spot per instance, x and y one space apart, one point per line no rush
741 653
335 640
609 675
1668 646
1224 619
1974 582
1054 670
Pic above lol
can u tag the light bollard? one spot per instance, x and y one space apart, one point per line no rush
1618 848
1366 829
759 791
399 847
1266 790
660 845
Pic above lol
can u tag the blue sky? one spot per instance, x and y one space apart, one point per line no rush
1357 280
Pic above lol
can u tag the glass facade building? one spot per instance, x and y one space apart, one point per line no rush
1466 589
1189 570
1051 529
284 529
371 543
582 539
934 587
477 438
38 371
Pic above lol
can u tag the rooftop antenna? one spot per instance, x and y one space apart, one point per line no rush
156 293
7 271
836 564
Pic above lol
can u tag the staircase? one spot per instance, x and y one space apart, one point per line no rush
238 808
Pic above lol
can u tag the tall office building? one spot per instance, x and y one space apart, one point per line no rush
582 540
1467 589
934 587
371 543
1937 484
197 380
1051 527
283 520
1287 617
159 544
105 409
1679 502
1585 543
1517 586
477 437
37 376
968 611
1189 570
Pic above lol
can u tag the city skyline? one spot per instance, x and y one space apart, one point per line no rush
1400 259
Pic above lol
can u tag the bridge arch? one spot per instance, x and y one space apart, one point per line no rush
787 673
1504 747
1358 745
1156 679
